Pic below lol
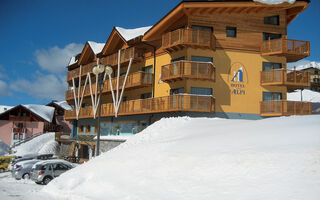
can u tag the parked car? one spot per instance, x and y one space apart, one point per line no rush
44 171
22 169
4 162
31 157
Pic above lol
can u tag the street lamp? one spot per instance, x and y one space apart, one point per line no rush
98 71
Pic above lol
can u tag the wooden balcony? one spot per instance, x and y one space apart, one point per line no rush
111 60
294 50
282 77
135 80
181 38
174 103
187 69
285 108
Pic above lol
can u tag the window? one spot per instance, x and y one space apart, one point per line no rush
124 99
316 72
270 66
203 28
85 105
148 69
81 127
231 31
177 91
271 36
201 91
88 128
201 59
146 95
271 96
316 80
177 59
272 20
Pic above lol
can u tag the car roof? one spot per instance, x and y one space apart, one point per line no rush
26 162
44 162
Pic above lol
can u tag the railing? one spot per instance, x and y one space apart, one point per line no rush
285 108
172 103
287 47
188 37
285 77
188 69
18 130
52 127
112 60
137 79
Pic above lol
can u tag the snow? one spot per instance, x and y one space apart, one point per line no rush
309 65
45 112
4 148
275 1
129 34
72 60
96 47
307 95
63 104
4 108
203 158
43 144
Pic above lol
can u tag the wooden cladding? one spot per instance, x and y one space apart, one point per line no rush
188 69
294 50
180 38
138 79
190 103
290 78
111 60
285 108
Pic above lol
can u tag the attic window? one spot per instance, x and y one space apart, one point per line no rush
231 31
272 20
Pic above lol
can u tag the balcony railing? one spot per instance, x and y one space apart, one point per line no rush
180 38
294 50
191 103
135 80
291 78
112 60
188 69
285 108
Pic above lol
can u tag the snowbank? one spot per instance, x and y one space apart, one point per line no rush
4 148
275 1
43 144
187 158
129 34
307 95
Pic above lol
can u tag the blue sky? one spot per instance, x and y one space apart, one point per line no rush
37 38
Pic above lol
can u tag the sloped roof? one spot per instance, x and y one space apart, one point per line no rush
5 108
96 47
63 104
129 34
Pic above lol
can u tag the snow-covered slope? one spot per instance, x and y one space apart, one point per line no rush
204 159
42 144
307 95
275 1
4 148
308 65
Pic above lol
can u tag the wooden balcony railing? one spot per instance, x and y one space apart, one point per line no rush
180 38
135 80
188 69
290 78
294 50
285 108
191 103
112 60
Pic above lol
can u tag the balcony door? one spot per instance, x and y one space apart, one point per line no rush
271 36
272 96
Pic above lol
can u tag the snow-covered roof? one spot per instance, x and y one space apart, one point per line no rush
63 104
309 65
96 47
5 108
72 60
307 95
45 112
129 34
275 1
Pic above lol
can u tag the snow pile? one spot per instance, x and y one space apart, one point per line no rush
63 104
96 47
4 108
43 144
45 112
307 95
129 34
4 148
309 65
201 158
275 1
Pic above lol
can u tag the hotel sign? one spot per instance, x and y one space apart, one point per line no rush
238 79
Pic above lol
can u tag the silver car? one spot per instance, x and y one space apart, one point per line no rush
44 171
22 169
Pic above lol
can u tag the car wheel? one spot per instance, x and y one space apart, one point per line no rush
26 176
1 170
39 183
46 180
